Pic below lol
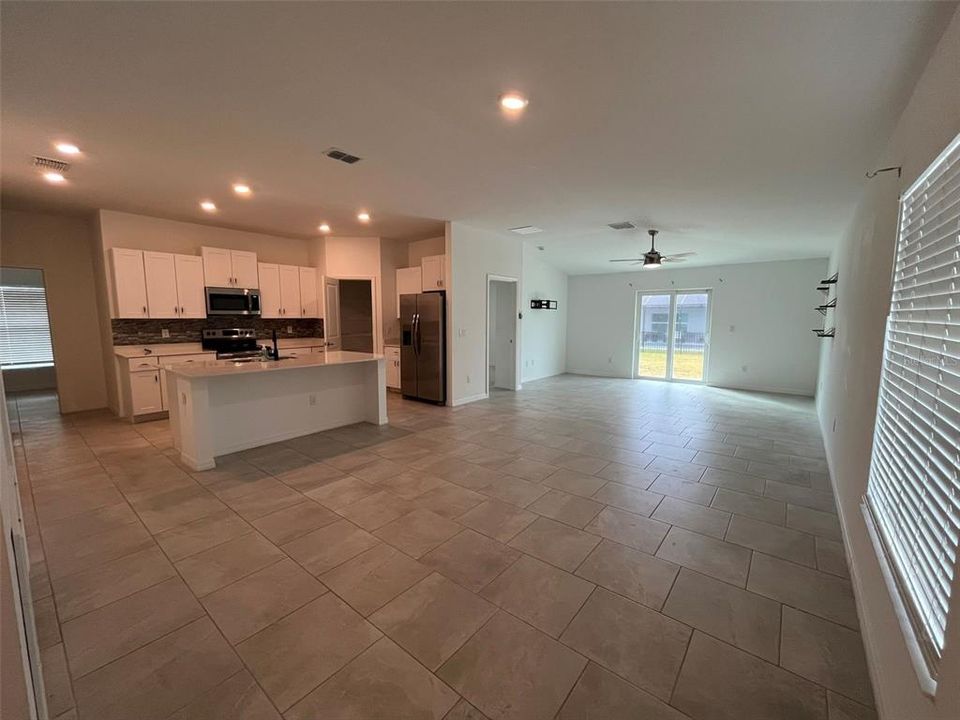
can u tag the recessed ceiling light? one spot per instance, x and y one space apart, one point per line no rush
513 101
241 189
54 177
208 205
68 148
363 216
324 228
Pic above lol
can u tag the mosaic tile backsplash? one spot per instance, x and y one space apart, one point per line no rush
149 332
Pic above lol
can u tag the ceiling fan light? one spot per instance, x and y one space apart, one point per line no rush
651 263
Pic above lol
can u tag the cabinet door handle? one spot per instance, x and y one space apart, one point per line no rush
181 310
176 310
144 309
156 378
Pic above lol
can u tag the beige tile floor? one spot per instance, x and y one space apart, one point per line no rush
587 548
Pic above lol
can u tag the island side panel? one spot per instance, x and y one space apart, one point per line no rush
191 421
377 393
253 409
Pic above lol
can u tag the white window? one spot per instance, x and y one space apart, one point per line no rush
913 493
24 327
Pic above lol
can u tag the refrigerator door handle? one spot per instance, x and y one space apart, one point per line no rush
414 333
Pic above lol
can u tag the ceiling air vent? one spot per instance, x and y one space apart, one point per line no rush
338 154
50 164
526 230
625 225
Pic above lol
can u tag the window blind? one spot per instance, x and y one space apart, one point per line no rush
913 492
24 327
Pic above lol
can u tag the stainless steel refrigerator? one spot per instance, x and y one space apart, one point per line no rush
422 347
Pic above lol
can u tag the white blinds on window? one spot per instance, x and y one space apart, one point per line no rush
24 327
914 487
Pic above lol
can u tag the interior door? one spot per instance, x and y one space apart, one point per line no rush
290 291
245 271
189 270
270 297
428 337
331 313
690 337
653 335
309 301
161 278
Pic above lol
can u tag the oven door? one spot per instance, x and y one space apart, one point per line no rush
232 301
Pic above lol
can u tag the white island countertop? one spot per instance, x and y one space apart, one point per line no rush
216 368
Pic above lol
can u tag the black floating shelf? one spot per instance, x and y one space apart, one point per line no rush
829 333
832 280
827 306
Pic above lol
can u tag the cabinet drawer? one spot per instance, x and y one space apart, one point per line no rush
171 360
144 363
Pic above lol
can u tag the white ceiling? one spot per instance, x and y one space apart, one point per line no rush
741 129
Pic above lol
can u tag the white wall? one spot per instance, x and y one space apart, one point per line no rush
393 255
60 245
761 320
544 332
849 378
419 249
473 255
358 257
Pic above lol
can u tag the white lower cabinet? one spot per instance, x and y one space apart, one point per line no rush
392 360
172 360
145 394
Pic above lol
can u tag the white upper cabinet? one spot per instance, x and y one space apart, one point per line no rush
189 270
309 300
244 268
409 282
290 305
174 285
129 283
161 276
217 267
434 273
229 268
270 302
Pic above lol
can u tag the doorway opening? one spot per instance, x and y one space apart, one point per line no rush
673 335
350 315
26 346
501 356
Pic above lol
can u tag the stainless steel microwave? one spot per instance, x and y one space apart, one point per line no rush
233 301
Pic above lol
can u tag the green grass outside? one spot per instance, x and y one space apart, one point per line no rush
686 365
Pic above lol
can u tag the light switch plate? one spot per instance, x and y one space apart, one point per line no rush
164 333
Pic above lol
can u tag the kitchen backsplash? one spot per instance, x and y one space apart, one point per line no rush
150 332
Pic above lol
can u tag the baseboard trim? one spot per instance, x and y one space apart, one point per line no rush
469 399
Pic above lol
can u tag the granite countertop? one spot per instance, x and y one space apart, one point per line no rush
217 368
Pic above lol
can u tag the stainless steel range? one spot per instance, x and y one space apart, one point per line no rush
232 343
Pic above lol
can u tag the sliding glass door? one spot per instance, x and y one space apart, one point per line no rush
673 335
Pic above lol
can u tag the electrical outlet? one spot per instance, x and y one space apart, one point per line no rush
610 360
732 328
468 379
834 425
164 333
290 329
312 399
743 368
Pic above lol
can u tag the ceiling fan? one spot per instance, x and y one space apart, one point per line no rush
653 259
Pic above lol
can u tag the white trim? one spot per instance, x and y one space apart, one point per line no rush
376 309
928 684
470 399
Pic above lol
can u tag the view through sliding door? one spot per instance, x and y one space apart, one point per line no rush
673 335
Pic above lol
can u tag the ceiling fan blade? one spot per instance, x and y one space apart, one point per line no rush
672 259
683 254
628 260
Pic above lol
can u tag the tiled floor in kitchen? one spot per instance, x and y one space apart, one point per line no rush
587 548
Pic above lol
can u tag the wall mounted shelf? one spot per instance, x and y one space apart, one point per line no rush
827 287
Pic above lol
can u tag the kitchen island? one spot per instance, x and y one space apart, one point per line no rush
222 406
